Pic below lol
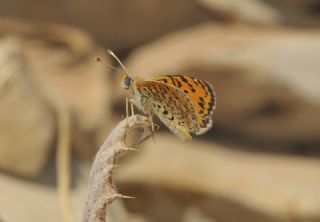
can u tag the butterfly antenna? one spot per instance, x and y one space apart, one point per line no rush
118 60
98 59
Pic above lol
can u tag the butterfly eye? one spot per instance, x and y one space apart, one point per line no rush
127 82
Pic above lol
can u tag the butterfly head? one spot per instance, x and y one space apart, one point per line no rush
126 81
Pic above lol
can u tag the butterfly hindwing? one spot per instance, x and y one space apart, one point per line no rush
172 107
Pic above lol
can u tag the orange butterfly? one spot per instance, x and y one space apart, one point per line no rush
184 104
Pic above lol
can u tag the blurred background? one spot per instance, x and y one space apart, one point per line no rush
260 161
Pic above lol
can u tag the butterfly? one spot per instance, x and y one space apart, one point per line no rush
184 104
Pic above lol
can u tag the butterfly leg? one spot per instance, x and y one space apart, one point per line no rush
132 107
127 107
152 127
127 110
151 121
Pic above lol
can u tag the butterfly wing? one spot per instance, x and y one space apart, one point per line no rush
172 107
200 93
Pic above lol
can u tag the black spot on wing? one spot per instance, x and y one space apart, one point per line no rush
183 79
175 81
209 91
202 85
212 103
172 80
179 83
201 105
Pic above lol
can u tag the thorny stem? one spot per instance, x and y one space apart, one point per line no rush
101 190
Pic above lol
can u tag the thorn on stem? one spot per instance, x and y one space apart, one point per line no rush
131 149
120 196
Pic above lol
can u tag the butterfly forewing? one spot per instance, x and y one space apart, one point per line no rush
200 93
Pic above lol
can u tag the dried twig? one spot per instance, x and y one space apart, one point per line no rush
63 159
101 190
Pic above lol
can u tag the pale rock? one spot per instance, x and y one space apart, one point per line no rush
298 12
252 11
23 200
61 62
27 127
119 25
267 12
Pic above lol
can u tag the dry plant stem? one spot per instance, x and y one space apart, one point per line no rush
101 190
63 154
63 160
